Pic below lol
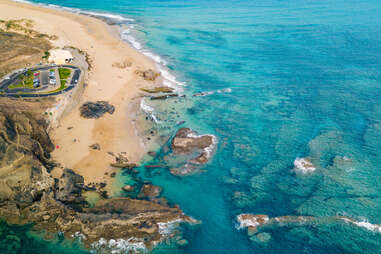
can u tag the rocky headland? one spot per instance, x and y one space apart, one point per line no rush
30 194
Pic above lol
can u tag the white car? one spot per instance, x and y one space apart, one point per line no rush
52 82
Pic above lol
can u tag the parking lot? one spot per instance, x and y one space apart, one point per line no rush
40 81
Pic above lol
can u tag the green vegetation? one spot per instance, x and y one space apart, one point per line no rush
19 48
25 81
46 55
64 73
62 87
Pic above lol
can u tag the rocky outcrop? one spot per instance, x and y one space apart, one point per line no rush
255 222
150 191
69 189
164 97
187 141
149 74
96 109
159 89
30 195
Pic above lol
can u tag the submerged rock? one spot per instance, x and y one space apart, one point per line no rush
163 97
96 109
182 242
128 188
150 191
261 238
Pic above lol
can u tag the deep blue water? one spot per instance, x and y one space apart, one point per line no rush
305 78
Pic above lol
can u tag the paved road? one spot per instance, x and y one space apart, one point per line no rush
75 78
43 69
44 79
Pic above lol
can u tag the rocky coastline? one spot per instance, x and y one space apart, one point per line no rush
30 194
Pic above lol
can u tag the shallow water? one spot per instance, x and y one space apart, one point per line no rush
305 80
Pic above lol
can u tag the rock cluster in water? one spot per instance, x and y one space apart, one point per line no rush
254 222
29 194
96 109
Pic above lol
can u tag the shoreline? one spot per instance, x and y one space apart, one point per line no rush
114 133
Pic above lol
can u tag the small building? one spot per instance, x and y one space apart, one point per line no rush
60 56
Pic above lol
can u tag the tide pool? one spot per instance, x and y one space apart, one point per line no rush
305 82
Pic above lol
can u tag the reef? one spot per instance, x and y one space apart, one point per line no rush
256 222
29 194
96 109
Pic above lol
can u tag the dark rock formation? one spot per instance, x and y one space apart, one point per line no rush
165 96
124 165
96 109
95 146
69 189
160 89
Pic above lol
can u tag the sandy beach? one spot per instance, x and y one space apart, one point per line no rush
114 133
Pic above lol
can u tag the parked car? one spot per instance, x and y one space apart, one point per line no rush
36 83
52 81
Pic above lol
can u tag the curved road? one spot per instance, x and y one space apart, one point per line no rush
7 82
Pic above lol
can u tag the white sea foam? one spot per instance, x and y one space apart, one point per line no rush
364 224
22 1
248 220
166 228
168 78
303 165
120 246
208 150
78 235
148 110
225 90
111 16
125 35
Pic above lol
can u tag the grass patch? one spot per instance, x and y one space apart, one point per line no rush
62 87
64 73
25 81
19 50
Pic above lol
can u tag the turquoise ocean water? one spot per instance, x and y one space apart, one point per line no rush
305 80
